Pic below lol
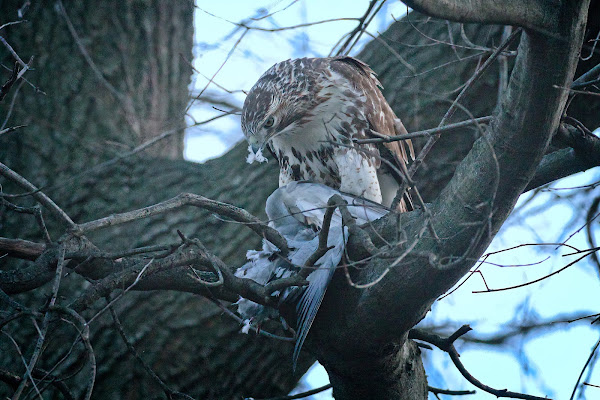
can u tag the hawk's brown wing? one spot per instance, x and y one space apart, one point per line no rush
381 118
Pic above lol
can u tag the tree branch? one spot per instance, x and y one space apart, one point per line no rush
36 194
447 345
19 248
468 212
583 155
534 15
189 199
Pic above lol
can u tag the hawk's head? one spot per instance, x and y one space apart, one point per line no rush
279 100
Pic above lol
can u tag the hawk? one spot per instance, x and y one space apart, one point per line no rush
309 111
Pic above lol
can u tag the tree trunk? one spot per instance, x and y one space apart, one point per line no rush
81 122
87 117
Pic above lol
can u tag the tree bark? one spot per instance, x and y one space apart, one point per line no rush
188 342
86 119
465 216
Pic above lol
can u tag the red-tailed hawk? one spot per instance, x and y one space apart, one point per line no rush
308 111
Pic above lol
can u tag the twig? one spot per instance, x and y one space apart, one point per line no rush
23 380
449 392
84 334
219 69
592 353
36 211
35 88
576 91
11 107
590 251
323 236
285 28
593 210
356 33
13 52
429 145
213 264
587 78
36 194
300 395
127 289
258 331
426 132
170 393
7 85
447 345
12 23
11 129
14 381
392 265
45 323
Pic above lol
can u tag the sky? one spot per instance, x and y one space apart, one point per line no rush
541 363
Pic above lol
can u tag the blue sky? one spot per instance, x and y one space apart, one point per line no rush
546 363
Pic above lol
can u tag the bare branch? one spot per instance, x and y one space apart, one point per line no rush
447 345
14 381
36 194
6 87
360 28
45 323
171 394
21 248
427 132
431 142
13 52
590 77
587 253
592 353
11 129
449 392
84 334
285 28
301 395
189 199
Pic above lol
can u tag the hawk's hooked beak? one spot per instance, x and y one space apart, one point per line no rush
255 145
255 148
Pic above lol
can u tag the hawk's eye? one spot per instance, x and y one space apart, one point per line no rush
270 122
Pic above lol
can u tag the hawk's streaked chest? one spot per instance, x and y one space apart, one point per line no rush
318 146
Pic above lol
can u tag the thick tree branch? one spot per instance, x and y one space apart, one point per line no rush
467 213
535 14
23 249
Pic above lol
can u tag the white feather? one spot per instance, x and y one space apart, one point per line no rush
252 156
